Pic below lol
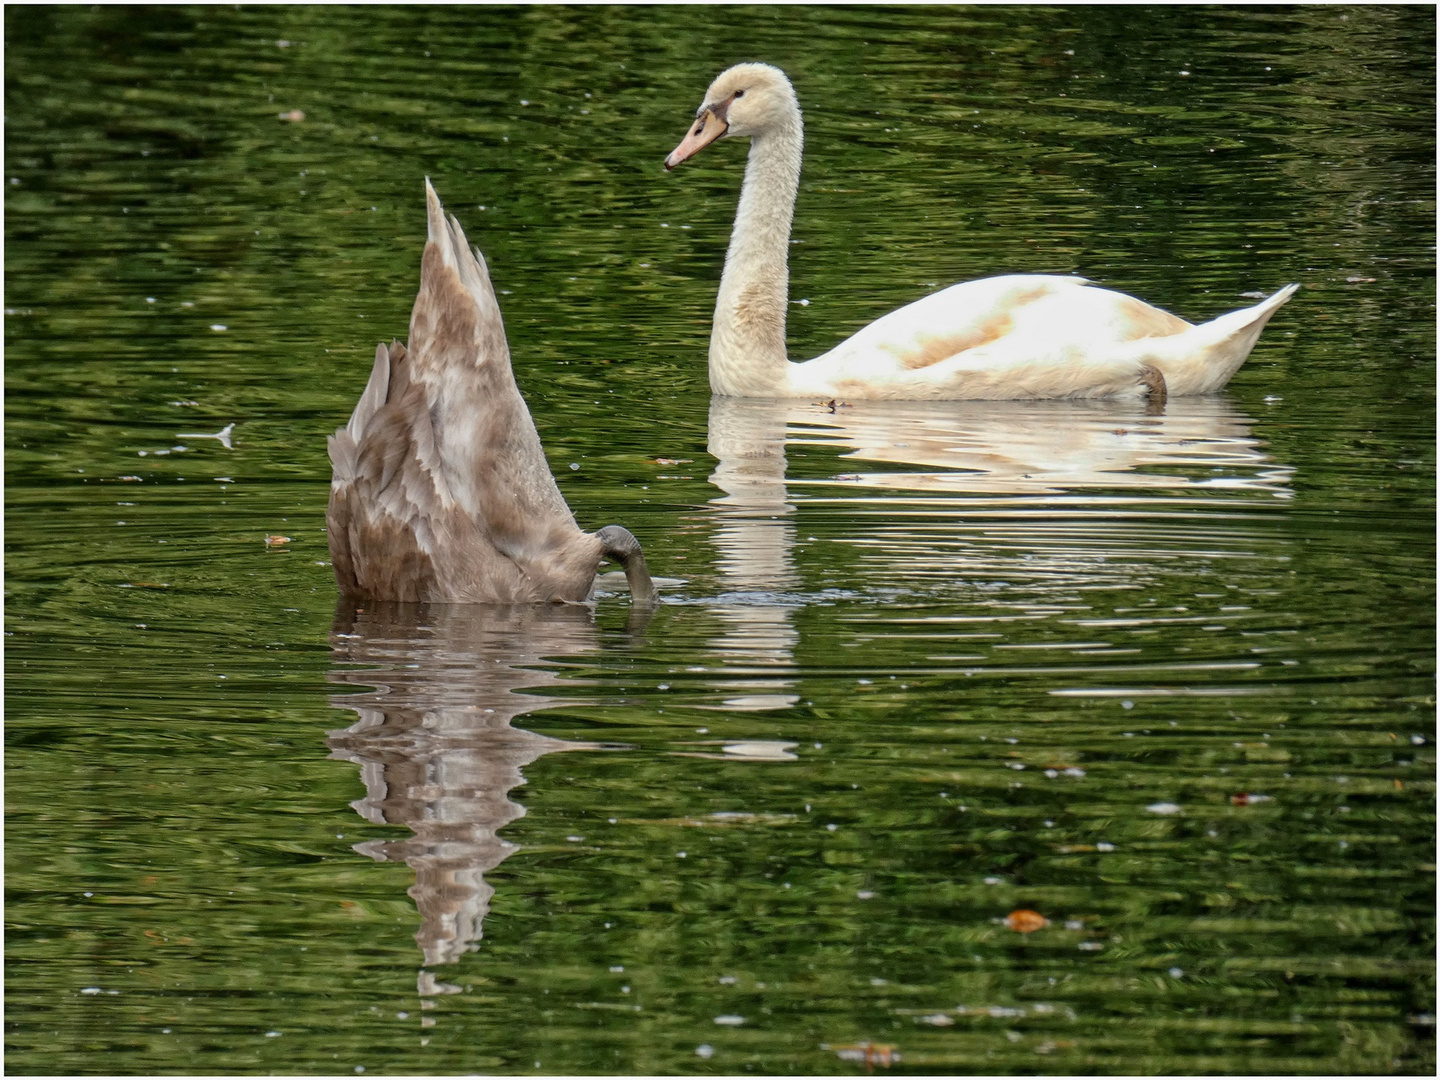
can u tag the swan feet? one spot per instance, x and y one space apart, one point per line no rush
1153 379
619 544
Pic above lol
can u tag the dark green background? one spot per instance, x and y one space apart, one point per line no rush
179 839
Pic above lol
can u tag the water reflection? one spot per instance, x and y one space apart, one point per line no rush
435 745
994 448
1064 487
1014 503
755 537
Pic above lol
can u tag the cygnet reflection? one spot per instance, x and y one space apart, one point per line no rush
435 745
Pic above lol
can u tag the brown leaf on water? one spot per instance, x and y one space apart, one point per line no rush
1025 921
674 461
276 541
872 1054
294 116
1245 798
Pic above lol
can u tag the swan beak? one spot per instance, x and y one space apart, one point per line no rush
707 128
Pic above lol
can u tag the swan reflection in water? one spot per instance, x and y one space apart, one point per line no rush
754 536
435 745
1204 444
960 487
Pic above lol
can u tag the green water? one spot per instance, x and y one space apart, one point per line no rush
927 665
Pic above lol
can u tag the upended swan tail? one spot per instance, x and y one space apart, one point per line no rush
1203 358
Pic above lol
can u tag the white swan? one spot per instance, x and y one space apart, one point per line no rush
1016 336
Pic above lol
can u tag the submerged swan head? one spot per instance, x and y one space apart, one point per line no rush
747 99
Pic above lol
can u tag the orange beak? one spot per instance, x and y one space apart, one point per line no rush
708 127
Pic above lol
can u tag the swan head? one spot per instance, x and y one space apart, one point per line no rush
747 99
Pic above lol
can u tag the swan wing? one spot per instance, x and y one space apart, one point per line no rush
1015 336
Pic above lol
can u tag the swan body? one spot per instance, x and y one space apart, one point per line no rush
1015 336
440 491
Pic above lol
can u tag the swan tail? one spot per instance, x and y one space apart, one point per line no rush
1203 358
456 306
1251 320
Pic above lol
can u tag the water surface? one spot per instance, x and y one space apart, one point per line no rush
1165 680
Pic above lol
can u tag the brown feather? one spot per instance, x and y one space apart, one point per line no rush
441 490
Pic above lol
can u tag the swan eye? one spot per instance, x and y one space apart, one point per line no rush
739 93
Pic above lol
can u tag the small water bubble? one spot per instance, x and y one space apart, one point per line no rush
730 1020
1176 972
704 1050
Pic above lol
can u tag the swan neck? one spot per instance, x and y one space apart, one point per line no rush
747 344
